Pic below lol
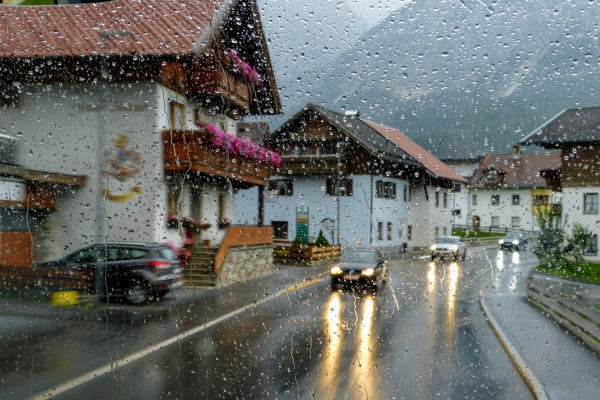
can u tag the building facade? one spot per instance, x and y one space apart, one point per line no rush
576 134
364 184
506 190
153 126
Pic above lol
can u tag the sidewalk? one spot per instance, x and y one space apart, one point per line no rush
28 315
565 367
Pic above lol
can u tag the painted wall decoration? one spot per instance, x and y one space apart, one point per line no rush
121 163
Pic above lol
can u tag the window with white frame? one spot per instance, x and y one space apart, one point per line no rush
591 247
386 190
474 201
515 222
516 199
445 200
495 199
345 187
495 221
283 187
389 231
590 203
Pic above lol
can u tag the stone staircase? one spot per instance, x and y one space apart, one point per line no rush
200 270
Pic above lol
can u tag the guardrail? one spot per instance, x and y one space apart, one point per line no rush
582 320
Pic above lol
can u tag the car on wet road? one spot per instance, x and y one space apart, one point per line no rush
449 247
135 271
359 266
513 241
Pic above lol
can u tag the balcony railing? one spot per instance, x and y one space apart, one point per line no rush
209 81
193 150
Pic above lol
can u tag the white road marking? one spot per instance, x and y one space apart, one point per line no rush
151 349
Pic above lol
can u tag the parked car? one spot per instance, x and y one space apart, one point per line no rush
449 247
513 241
359 266
137 272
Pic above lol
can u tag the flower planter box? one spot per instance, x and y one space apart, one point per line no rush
308 252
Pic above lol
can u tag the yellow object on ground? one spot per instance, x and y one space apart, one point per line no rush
69 298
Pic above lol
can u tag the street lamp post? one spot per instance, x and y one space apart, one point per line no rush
338 152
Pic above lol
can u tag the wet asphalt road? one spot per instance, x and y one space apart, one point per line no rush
422 335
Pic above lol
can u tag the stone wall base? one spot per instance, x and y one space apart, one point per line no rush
244 263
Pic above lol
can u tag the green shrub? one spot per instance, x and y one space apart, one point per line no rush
298 242
321 240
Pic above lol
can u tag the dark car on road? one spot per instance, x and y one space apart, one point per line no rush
137 272
513 241
359 266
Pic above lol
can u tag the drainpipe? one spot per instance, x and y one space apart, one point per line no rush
371 216
261 206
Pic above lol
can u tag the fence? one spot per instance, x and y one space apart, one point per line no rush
580 319
492 229
284 250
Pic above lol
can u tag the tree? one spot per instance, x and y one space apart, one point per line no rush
321 240
551 241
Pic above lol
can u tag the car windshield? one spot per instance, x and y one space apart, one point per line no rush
359 257
183 184
447 240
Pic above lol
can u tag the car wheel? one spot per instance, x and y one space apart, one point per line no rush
464 255
333 285
138 293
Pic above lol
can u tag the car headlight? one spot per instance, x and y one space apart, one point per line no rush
501 241
433 247
368 272
454 248
515 242
335 270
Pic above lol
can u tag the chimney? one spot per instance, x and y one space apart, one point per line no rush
516 155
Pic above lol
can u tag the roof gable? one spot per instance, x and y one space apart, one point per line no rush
580 125
379 140
504 170
132 28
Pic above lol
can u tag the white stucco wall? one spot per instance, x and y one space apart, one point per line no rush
573 207
58 128
358 214
505 210
425 216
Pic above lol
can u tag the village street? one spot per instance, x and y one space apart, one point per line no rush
423 335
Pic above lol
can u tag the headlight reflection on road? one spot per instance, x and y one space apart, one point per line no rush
431 277
363 373
500 262
453 274
333 340
515 258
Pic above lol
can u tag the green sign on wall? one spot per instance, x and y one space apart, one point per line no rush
302 217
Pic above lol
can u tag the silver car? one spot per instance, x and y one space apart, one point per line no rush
449 247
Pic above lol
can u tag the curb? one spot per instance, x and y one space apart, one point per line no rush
536 388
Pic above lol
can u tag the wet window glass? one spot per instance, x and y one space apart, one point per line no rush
274 199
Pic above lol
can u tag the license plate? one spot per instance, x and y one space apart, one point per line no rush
351 277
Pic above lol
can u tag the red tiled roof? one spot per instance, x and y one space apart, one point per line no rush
153 26
520 172
429 161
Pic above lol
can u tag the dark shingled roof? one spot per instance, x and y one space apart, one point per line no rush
516 172
381 141
580 125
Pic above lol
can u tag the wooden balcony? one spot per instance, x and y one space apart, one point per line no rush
193 150
314 164
208 81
